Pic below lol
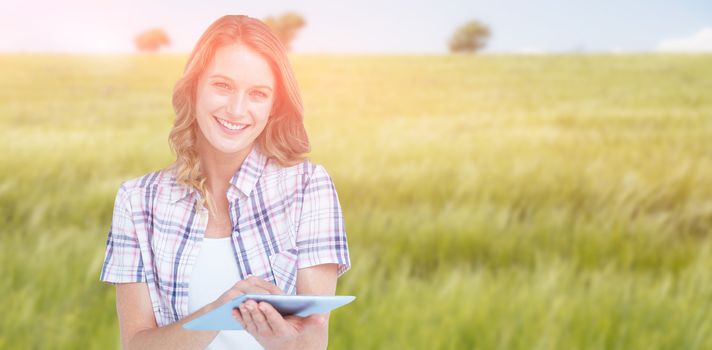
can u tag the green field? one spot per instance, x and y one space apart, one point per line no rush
491 202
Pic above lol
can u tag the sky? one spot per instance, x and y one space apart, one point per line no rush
366 26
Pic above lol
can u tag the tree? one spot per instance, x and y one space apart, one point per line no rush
285 27
470 37
151 40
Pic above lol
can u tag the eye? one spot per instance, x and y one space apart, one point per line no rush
260 94
221 85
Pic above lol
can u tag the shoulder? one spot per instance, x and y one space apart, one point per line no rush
304 171
148 181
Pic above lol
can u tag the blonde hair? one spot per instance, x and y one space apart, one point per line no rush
284 138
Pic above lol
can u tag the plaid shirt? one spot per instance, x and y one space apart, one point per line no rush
283 219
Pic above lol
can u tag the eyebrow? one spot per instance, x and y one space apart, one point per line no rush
224 77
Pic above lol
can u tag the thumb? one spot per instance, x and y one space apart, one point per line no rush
314 320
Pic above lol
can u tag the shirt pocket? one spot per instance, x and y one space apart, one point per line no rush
283 266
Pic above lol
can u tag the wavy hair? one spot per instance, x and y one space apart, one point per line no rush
283 139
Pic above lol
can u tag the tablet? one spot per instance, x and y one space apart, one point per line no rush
300 305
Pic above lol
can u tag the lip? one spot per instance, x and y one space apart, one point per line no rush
229 131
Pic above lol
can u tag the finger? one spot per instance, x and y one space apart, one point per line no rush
236 315
315 320
270 287
252 289
237 291
276 321
258 318
232 293
243 287
302 323
249 325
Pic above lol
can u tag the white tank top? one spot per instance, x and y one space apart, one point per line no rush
214 272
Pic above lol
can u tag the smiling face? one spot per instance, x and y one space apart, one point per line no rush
234 99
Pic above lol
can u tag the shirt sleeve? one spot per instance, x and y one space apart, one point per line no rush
122 261
321 237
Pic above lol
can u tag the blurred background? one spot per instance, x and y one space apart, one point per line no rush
513 174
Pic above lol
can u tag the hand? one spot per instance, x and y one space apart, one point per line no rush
251 285
272 330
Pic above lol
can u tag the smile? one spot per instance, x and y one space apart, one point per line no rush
229 125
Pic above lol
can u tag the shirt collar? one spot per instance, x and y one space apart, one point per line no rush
243 180
178 191
247 175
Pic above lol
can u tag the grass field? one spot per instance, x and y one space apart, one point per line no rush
491 202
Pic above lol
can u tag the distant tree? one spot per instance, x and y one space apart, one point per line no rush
151 40
285 27
470 37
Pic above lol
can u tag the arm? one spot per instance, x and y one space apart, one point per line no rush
318 280
322 257
323 251
138 323
122 268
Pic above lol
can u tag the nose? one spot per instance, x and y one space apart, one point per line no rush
237 105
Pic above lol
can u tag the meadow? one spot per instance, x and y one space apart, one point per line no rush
490 201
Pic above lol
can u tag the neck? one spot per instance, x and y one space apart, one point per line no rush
219 167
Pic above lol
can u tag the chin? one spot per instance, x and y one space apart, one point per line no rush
232 148
229 150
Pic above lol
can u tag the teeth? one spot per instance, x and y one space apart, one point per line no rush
230 125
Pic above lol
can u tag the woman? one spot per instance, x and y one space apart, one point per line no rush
240 210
